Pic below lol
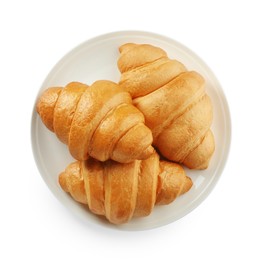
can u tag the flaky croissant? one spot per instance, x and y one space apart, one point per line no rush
121 191
99 121
173 101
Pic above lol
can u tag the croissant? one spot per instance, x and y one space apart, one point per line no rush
99 121
174 102
121 191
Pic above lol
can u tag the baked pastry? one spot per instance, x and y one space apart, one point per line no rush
99 121
174 102
121 191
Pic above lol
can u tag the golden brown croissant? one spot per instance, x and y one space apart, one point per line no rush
99 121
121 191
173 100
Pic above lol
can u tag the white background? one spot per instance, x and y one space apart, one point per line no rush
35 35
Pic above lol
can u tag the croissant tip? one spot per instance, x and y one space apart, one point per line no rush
45 106
62 181
188 185
147 153
125 47
196 165
202 166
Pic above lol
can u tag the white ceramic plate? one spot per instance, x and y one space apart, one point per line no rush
97 59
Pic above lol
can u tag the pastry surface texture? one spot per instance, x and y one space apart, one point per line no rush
122 191
98 121
174 102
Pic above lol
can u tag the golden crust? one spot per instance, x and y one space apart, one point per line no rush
72 181
122 191
65 108
173 101
121 185
46 105
131 55
172 182
147 183
98 120
93 170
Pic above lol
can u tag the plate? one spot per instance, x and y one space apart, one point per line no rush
97 59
